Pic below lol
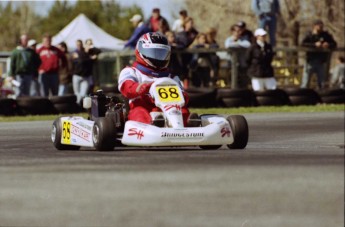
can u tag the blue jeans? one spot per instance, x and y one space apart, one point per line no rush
269 22
25 85
316 67
80 87
49 82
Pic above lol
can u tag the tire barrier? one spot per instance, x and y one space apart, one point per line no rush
202 97
332 96
275 97
198 98
227 97
302 96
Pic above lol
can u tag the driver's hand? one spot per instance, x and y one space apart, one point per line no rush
143 88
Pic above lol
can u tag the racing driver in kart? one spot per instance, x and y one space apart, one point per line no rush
152 55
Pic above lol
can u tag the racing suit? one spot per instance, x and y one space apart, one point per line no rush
134 83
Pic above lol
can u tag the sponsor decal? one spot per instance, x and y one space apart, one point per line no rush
80 133
182 134
175 112
225 132
168 107
136 132
82 124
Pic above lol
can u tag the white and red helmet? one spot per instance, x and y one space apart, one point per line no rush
153 51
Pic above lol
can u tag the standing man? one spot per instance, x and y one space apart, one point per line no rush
24 65
267 12
259 59
156 20
316 61
52 58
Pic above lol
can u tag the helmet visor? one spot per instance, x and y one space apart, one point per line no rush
154 51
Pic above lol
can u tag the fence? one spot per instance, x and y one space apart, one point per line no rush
288 64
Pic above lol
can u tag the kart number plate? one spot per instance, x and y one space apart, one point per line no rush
66 132
168 93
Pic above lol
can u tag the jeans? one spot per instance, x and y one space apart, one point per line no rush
269 22
35 88
80 87
316 67
49 82
63 89
25 85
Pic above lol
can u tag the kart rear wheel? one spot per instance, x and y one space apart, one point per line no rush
239 127
56 133
104 134
210 147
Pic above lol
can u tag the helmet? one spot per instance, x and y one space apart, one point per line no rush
153 51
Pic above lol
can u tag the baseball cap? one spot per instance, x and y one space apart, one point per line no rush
241 24
32 42
260 32
136 18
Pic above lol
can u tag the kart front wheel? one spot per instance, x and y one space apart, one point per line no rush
239 127
56 134
104 134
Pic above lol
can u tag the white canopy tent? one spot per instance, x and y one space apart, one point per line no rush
83 28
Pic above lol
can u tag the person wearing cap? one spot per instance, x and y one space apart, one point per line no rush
23 66
316 61
259 59
178 24
140 29
267 12
245 32
156 21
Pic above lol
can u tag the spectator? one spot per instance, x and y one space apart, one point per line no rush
163 27
175 63
35 86
267 12
82 70
52 59
23 67
156 20
140 29
211 35
239 40
338 73
245 32
186 38
93 52
65 73
178 24
316 61
201 64
259 59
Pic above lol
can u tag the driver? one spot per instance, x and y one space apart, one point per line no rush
152 54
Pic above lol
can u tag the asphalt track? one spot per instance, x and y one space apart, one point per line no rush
290 174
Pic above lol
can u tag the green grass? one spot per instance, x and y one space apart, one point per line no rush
241 110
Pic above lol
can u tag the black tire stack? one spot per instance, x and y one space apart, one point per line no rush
332 96
8 107
65 104
275 97
202 97
227 97
35 106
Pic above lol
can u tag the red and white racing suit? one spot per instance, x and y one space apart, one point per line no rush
134 83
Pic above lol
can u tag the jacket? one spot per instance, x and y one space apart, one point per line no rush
259 61
50 58
24 61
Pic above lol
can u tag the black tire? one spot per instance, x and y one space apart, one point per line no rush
56 133
35 105
210 147
63 99
304 100
202 97
276 97
104 134
240 131
228 97
332 92
8 107
333 99
68 108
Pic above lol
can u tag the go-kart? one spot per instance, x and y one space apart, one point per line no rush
107 126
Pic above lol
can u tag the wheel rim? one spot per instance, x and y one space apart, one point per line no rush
95 136
53 133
